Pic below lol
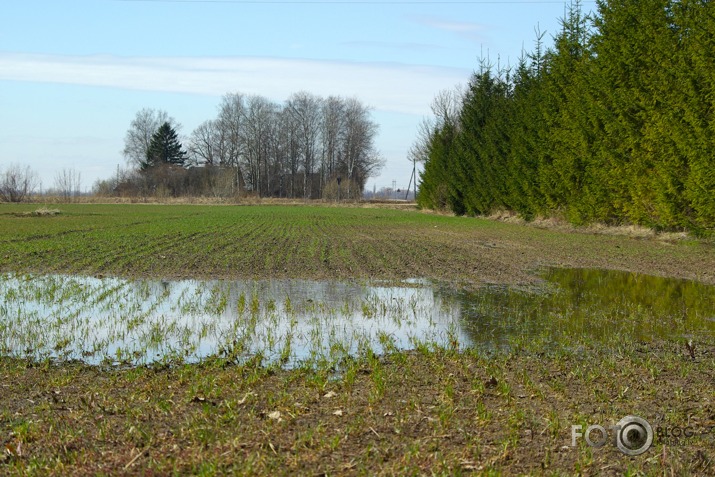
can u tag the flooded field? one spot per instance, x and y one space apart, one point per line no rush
291 322
290 339
591 307
133 322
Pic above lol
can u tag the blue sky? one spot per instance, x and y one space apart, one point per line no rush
73 73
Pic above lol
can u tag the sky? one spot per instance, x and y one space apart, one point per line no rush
74 73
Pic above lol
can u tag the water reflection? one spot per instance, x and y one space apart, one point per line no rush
291 321
577 306
294 321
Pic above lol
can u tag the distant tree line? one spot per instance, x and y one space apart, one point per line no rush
17 183
20 183
614 123
308 147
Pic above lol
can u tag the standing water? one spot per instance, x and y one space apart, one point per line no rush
120 321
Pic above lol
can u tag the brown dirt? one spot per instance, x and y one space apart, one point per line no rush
411 413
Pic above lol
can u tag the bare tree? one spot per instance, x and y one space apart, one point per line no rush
289 149
447 105
446 108
359 157
205 144
305 110
332 134
68 183
258 139
272 148
141 130
419 151
17 182
231 122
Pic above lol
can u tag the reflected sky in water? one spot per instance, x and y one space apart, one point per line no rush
114 320
141 321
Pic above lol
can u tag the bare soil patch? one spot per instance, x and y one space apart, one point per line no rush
443 412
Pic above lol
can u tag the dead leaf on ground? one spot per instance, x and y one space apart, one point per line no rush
202 400
245 398
15 451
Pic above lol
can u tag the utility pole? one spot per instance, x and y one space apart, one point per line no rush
413 177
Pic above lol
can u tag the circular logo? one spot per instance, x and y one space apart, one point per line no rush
634 436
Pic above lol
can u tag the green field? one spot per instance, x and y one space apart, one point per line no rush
606 346
317 242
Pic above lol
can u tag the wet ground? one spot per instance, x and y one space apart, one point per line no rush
121 321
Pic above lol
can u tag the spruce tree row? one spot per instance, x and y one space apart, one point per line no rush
614 123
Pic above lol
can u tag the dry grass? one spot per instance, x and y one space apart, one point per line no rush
204 200
244 201
562 225
41 212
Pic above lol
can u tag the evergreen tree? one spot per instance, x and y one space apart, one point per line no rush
479 182
437 175
165 148
567 148
615 123
696 73
524 194
630 50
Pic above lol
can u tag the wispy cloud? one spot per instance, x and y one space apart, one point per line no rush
468 30
418 47
384 86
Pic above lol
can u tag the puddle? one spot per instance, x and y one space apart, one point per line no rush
583 306
291 321
121 321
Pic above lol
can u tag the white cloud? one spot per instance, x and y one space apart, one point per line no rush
384 86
